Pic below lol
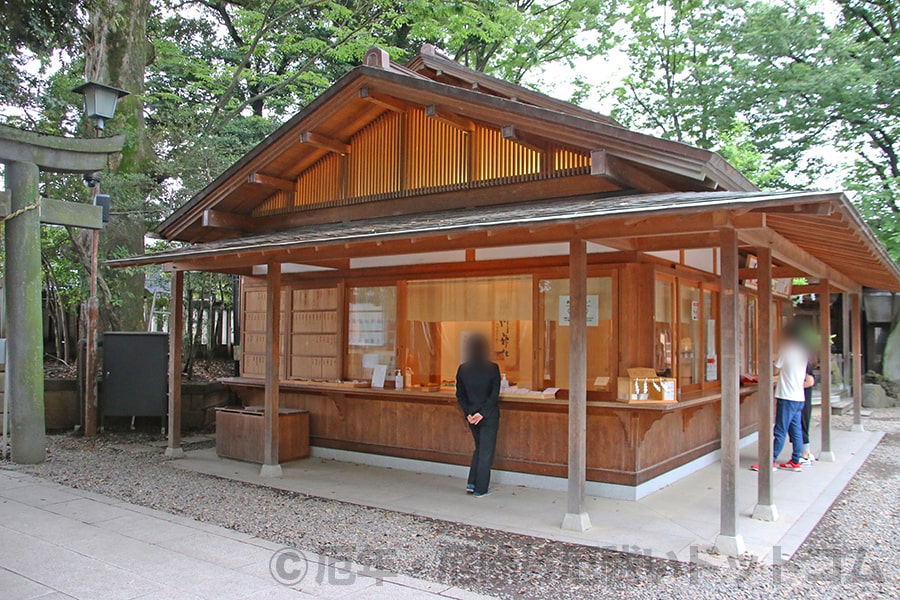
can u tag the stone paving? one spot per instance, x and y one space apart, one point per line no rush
61 542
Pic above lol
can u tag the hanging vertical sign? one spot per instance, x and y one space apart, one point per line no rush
593 310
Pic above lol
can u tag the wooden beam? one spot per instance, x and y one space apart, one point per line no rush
383 100
576 518
625 174
285 185
791 254
777 273
449 118
765 498
729 541
271 466
825 454
530 141
857 375
815 288
176 334
324 142
5 200
225 220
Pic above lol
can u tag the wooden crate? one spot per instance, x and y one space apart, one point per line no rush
240 434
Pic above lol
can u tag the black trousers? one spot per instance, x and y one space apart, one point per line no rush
485 435
805 416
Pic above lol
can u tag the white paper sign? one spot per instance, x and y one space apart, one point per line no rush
593 310
378 376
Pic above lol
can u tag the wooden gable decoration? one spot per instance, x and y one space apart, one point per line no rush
412 152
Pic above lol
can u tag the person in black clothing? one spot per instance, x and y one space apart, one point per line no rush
478 394
806 458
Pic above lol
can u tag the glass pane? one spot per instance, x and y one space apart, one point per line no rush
372 330
443 313
555 308
711 314
690 351
664 333
752 361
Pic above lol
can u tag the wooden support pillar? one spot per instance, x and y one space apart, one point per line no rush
176 339
765 503
857 375
729 541
576 518
846 352
25 350
825 453
271 466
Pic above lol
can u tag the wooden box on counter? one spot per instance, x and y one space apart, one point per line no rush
240 433
644 385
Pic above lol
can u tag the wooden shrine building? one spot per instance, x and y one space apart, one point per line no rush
409 206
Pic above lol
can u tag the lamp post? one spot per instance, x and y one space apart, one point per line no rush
100 105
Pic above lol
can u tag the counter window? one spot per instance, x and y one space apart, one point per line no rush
371 330
441 314
663 330
554 306
690 347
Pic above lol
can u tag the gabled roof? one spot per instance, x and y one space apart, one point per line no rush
347 107
437 67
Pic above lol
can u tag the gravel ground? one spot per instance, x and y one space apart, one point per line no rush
852 553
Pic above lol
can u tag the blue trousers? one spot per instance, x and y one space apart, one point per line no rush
788 423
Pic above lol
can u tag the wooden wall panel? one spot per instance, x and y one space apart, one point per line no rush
625 445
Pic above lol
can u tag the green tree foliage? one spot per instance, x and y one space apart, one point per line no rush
800 86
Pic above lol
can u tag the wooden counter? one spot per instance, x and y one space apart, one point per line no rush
240 433
628 444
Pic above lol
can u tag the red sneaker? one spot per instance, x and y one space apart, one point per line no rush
756 467
791 466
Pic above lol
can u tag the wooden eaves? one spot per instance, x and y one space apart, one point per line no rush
656 221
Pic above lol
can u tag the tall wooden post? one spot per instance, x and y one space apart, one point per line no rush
846 351
857 377
729 541
176 337
271 466
576 518
765 503
24 311
825 453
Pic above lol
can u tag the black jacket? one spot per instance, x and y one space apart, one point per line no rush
478 389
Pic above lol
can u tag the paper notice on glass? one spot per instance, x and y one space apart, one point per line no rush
370 360
593 310
378 376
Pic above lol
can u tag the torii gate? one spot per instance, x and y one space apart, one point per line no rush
25 154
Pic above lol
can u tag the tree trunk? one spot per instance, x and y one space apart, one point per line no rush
117 51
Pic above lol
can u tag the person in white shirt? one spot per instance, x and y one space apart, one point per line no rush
789 396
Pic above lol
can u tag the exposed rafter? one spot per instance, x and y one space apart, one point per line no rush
383 100
279 183
449 118
324 142
625 174
530 141
223 220
795 256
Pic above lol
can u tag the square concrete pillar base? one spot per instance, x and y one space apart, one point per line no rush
175 452
270 471
730 545
765 512
576 522
826 456
857 427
